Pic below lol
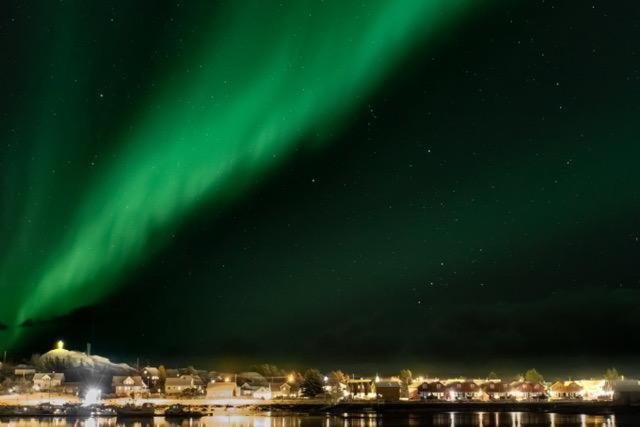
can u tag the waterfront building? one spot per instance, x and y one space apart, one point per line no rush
388 390
182 384
432 390
222 390
129 386
363 388
47 381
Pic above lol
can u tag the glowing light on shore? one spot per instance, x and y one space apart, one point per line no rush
92 397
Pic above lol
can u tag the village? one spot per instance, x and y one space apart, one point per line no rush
64 377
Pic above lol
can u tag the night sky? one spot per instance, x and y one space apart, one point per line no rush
447 184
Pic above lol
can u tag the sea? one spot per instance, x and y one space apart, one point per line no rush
450 419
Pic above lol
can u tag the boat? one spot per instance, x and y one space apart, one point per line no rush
146 410
79 411
82 411
181 411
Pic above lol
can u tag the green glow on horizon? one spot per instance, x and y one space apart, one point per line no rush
268 79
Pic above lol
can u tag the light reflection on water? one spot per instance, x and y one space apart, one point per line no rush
449 419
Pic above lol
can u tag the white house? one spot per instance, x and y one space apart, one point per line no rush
24 370
182 383
47 381
222 390
129 386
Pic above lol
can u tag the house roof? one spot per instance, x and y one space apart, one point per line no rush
360 381
432 387
387 384
181 381
25 367
562 387
528 387
221 386
135 380
573 387
463 387
494 387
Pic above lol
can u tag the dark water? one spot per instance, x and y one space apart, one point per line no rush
515 419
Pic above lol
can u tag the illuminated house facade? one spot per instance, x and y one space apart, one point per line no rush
182 384
463 390
47 381
494 390
525 390
432 390
280 390
129 386
388 390
222 390
565 390
151 377
363 388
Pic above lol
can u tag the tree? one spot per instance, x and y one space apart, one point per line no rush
35 361
337 377
406 376
612 374
162 373
312 384
533 376
492 376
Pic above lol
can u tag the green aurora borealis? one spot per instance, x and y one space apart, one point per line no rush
261 78
392 180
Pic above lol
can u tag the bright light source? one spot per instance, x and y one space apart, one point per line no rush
326 378
60 345
227 379
92 397
290 378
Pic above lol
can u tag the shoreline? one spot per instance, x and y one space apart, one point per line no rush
369 408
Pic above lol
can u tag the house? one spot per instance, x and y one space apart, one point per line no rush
432 390
364 388
494 390
280 390
129 386
595 389
247 389
47 381
525 390
182 383
151 376
565 390
262 392
24 370
222 390
388 390
463 390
